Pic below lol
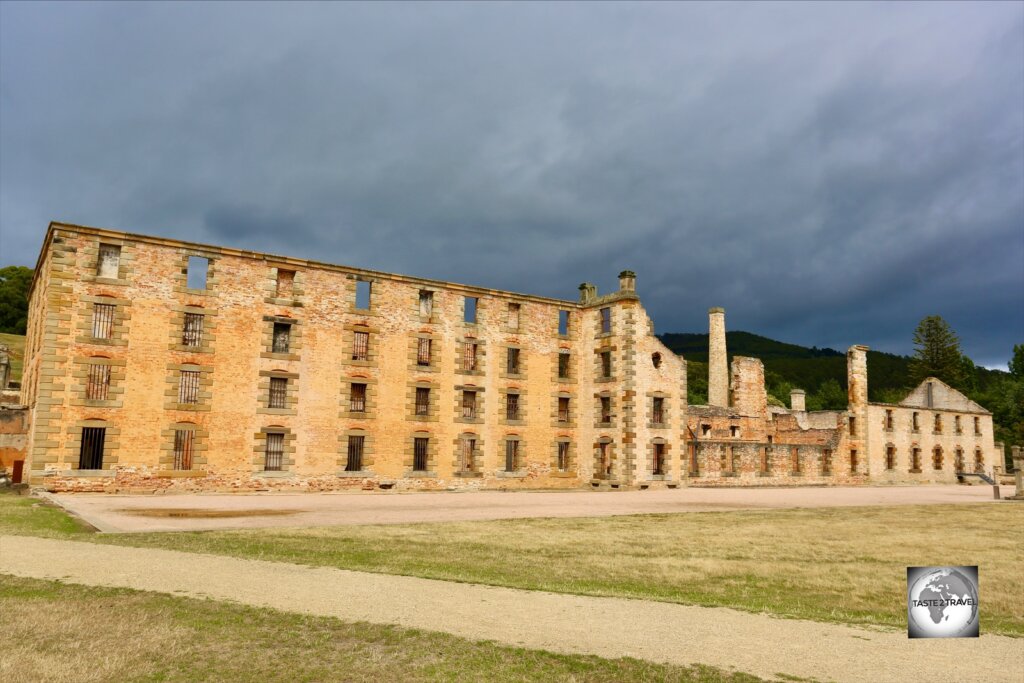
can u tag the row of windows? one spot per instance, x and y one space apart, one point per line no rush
938 459
915 423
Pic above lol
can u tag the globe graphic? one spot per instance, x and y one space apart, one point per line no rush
943 620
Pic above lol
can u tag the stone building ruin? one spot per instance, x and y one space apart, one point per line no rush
154 363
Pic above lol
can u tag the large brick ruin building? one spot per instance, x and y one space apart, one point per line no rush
156 363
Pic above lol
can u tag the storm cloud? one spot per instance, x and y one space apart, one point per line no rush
828 173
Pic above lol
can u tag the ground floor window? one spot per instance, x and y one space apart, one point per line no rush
563 456
511 456
275 452
90 453
419 454
184 442
354 463
659 459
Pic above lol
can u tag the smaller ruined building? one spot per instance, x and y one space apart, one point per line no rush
154 363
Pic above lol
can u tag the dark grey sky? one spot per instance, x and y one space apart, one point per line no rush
829 173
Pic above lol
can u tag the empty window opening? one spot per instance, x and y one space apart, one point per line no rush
278 392
853 461
937 458
694 463
658 410
958 459
563 365
357 398
930 399
422 401
563 456
606 320
765 460
469 404
604 464
423 348
183 446
979 461
102 321
513 316
360 345
977 426
734 431
109 261
890 457
426 303
563 323
469 356
656 359
512 407
938 423
771 439
606 364
826 462
914 425
468 447
563 409
606 409
958 425
282 337
363 290
888 421
512 362
659 459
274 456
98 383
419 453
469 305
354 463
705 430
90 451
915 459
188 387
192 331
795 457
853 426
198 267
511 456
285 283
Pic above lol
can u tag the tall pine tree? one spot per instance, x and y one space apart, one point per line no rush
937 353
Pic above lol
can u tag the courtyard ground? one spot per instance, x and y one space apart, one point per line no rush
189 512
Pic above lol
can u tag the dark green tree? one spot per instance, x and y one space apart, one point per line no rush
1017 362
14 284
937 353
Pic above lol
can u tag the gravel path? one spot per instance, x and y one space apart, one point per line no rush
131 513
609 627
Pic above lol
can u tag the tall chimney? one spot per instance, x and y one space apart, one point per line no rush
798 400
718 360
857 375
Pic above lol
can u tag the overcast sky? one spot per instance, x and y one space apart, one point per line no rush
829 173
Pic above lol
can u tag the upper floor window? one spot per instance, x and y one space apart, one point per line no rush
606 364
469 306
512 407
888 421
512 362
563 323
957 426
469 404
278 392
914 424
103 321
513 316
285 283
188 386
423 348
426 303
192 331
360 345
363 292
282 337
563 365
658 410
606 409
938 423
469 356
977 426
109 261
606 320
563 408
853 426
198 268
357 398
98 383
422 401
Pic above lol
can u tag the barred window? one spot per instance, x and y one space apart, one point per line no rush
606 409
658 410
469 404
606 364
419 453
188 386
422 401
469 356
659 459
426 303
606 320
282 337
513 316
563 365
98 382
278 392
109 261
360 345
511 456
467 447
563 456
183 446
512 362
512 407
355 454
423 348
563 409
192 332
103 320
275 452
357 398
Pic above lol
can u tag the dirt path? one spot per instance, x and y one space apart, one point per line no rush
610 627
118 513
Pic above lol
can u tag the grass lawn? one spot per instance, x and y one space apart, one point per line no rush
58 632
845 565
